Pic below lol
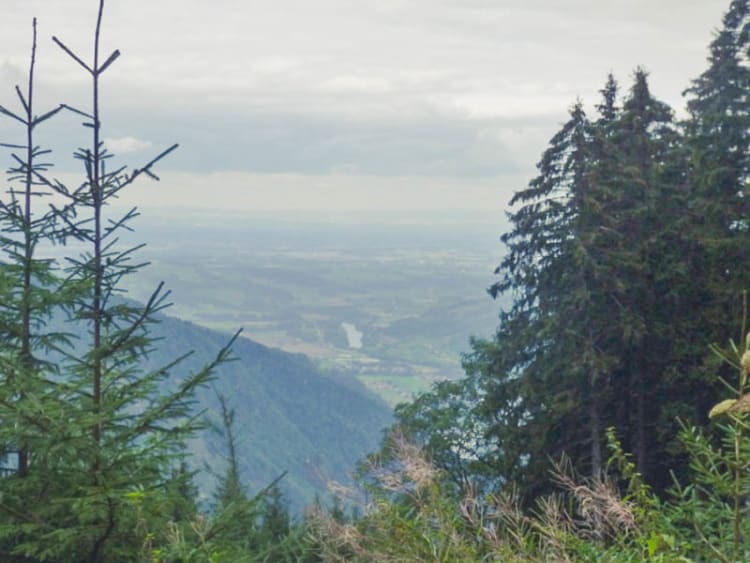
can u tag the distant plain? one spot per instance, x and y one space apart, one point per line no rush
390 298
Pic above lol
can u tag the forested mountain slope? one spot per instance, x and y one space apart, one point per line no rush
289 416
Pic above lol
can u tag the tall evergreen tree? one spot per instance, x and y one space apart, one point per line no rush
547 361
29 280
30 292
718 141
237 514
114 434
646 202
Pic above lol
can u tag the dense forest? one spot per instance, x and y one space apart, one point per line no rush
605 420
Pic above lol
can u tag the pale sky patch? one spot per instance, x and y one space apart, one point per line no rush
333 192
125 145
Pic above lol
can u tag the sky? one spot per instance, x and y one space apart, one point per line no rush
343 104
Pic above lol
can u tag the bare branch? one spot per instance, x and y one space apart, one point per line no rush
112 58
72 54
9 113
24 103
78 111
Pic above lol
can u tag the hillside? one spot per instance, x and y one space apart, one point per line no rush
289 417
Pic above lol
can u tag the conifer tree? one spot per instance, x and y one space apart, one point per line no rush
110 443
647 201
565 363
547 347
30 292
718 141
236 513
540 388
29 280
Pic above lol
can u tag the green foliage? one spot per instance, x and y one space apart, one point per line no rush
713 505
417 515
448 425
29 288
412 518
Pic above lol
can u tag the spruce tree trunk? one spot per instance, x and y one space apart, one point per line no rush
28 236
596 433
639 439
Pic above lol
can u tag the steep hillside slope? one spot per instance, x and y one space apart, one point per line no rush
289 416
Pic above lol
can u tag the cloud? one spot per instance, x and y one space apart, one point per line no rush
398 88
356 57
276 143
124 145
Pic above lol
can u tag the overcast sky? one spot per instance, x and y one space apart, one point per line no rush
346 104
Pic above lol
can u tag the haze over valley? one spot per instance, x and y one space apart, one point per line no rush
391 298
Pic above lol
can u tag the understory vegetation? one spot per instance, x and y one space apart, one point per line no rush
606 420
